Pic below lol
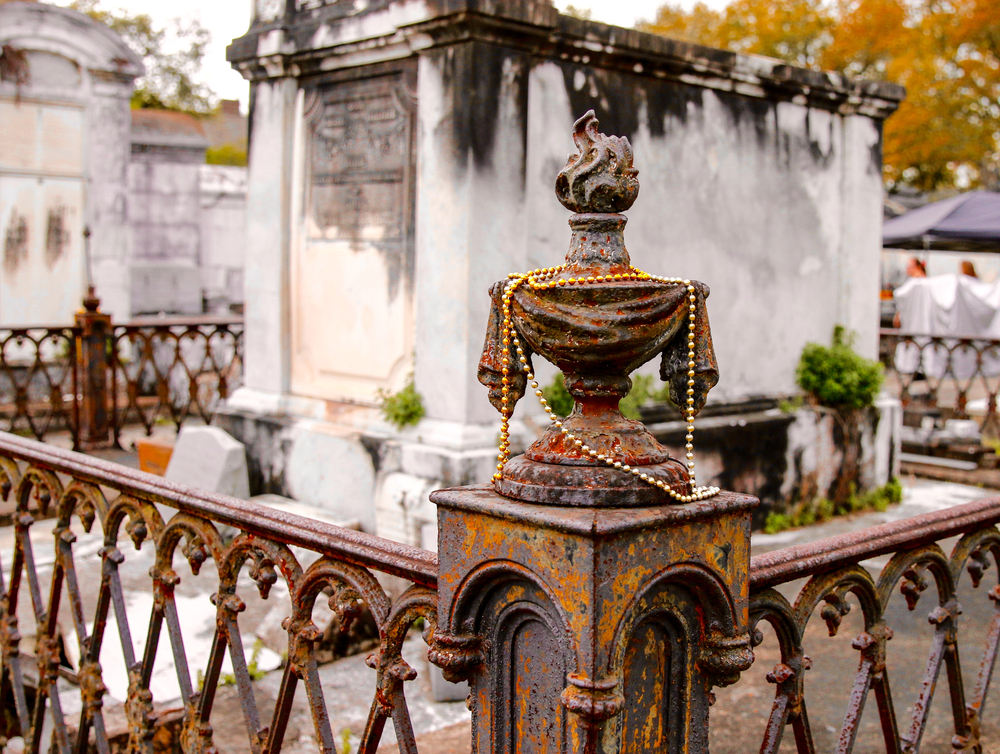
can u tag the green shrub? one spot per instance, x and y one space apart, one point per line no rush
777 522
404 408
894 491
229 679
639 395
642 392
790 405
878 499
850 503
820 509
227 154
557 396
824 509
806 516
836 376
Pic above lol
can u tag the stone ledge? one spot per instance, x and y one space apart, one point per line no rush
529 26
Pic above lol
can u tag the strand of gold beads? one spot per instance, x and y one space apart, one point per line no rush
542 279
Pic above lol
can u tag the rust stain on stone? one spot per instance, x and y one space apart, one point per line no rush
56 235
14 66
15 245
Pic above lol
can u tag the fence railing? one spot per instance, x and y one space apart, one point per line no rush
62 609
918 562
173 368
958 375
94 378
39 379
68 592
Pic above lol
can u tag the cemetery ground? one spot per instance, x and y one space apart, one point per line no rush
443 728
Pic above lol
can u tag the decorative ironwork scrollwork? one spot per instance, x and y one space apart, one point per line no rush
136 514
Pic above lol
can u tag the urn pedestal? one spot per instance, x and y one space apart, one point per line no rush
591 629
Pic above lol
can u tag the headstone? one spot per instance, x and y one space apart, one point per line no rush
210 459
444 690
170 287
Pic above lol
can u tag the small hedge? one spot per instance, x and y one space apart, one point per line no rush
558 397
820 509
838 377
404 408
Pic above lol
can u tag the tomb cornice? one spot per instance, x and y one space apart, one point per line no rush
70 34
604 46
299 58
308 44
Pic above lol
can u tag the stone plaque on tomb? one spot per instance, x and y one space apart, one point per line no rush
352 319
359 154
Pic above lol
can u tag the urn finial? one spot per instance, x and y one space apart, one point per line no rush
599 178
597 319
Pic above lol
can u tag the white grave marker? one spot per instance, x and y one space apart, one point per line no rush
210 459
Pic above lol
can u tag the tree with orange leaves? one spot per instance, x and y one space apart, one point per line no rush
945 52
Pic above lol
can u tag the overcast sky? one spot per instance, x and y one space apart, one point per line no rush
228 19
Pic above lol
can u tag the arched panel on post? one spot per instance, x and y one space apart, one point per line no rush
677 638
656 675
636 615
519 662
530 657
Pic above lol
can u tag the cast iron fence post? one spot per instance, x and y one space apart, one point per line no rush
589 629
594 594
94 362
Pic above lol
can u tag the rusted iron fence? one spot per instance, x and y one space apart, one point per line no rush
94 378
960 376
62 596
60 608
39 377
917 562
173 369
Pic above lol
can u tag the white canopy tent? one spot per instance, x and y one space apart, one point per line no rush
953 307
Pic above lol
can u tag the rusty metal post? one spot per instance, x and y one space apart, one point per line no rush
594 594
591 629
94 430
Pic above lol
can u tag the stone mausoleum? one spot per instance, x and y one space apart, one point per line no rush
402 159
166 231
65 85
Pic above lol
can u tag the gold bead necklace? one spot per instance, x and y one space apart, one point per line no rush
543 279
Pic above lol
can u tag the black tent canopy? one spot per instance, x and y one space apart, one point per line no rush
967 222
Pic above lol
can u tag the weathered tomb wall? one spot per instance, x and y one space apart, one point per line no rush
776 205
223 209
760 179
187 219
164 212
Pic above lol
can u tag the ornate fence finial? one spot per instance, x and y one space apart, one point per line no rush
599 178
572 316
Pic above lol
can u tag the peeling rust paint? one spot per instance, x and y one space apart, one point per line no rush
601 581
598 319
523 619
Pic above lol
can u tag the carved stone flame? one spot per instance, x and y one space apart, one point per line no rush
599 178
